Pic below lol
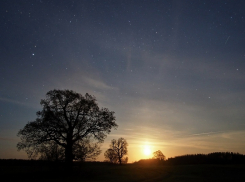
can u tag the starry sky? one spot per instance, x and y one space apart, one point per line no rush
172 70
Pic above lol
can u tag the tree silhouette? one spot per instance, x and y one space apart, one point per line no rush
159 155
86 150
211 158
69 120
52 152
111 155
117 151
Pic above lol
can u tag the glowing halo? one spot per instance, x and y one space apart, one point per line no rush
147 150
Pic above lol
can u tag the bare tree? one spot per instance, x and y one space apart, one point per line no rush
159 155
111 155
120 150
68 119
85 150
124 160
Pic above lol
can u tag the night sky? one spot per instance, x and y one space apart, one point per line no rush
172 70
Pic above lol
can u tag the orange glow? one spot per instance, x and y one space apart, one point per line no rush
147 150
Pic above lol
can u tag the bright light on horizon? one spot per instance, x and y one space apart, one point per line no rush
147 150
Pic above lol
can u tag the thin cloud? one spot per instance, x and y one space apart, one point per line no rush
15 102
97 84
207 133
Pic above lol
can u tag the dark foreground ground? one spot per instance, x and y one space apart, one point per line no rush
130 172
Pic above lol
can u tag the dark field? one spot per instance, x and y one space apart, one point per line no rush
130 172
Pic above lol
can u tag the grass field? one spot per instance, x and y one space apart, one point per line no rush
131 172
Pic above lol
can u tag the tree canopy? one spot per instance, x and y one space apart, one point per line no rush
117 151
69 120
111 155
159 155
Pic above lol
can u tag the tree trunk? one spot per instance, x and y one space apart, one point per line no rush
120 160
68 154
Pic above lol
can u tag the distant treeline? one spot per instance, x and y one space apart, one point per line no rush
212 158
190 159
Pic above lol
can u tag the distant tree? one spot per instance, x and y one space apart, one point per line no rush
111 155
159 155
118 148
124 160
85 150
68 120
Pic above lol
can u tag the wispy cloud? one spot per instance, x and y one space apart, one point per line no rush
16 102
207 133
97 84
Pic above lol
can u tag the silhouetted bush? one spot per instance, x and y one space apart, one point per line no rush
149 162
